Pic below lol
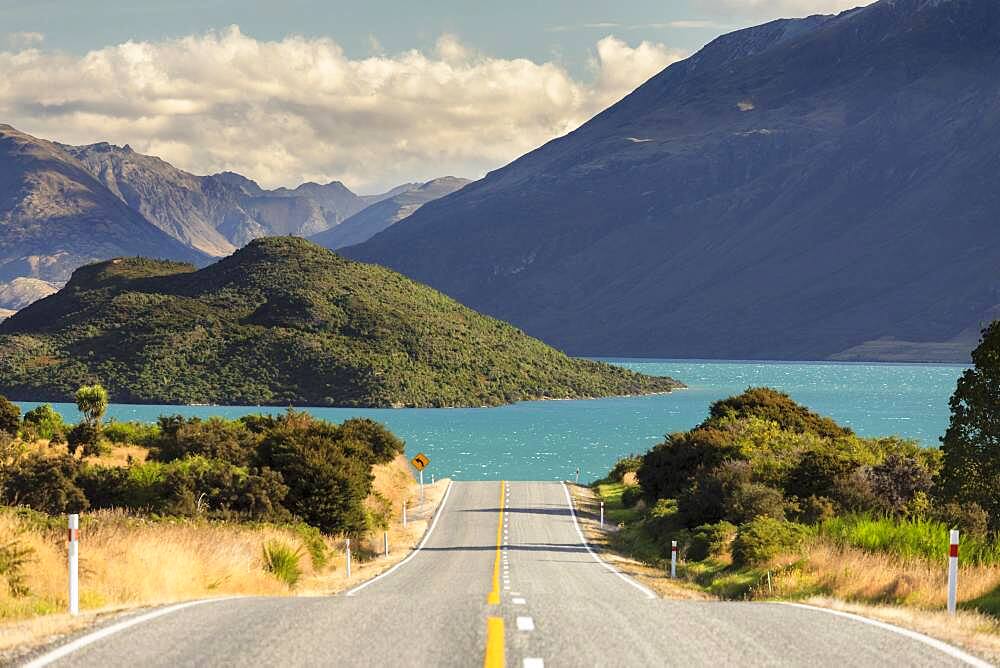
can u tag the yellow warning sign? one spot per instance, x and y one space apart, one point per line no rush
420 462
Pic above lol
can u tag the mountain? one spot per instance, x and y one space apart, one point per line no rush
217 213
373 199
389 211
182 205
796 190
55 216
23 291
282 321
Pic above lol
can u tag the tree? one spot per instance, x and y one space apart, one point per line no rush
48 484
10 417
92 400
970 470
44 422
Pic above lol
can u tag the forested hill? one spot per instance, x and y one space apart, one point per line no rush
282 321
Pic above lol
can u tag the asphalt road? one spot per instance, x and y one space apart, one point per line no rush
558 606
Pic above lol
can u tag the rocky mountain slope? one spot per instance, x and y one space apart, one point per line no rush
282 321
55 216
387 212
798 190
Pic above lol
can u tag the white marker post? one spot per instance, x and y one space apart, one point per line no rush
953 573
602 514
385 540
432 478
404 512
348 557
421 488
74 564
673 559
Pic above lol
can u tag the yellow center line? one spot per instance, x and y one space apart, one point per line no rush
494 596
494 643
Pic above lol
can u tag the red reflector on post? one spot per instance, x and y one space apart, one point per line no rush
953 552
74 535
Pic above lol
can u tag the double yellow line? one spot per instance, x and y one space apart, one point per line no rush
494 625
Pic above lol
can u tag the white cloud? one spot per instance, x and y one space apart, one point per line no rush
299 109
21 40
772 9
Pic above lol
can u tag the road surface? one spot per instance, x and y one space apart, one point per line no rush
503 578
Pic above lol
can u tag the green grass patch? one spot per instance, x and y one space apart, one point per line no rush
614 511
913 538
283 562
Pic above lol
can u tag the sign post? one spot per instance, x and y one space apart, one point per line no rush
74 564
420 462
602 514
673 559
953 573
348 558
404 512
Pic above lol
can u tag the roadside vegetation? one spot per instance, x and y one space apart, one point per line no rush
187 507
768 499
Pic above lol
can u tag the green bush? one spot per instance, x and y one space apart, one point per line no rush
631 496
85 438
710 540
10 417
761 540
215 438
44 422
668 469
283 562
770 404
48 484
311 537
132 433
623 467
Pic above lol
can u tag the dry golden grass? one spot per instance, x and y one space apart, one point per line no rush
855 575
128 562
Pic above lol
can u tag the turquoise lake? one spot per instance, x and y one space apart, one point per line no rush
549 440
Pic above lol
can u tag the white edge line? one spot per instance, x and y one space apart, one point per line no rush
644 589
427 535
70 647
950 650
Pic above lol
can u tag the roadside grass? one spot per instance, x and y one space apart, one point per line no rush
282 561
908 538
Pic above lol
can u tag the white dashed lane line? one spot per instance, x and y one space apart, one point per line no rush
525 624
518 601
533 662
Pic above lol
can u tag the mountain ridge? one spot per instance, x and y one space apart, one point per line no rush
781 194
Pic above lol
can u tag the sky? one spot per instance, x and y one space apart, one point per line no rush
372 93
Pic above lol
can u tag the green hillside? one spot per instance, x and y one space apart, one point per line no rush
282 321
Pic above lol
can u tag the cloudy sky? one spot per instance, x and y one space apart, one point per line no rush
371 93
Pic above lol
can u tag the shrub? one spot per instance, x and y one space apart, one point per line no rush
969 518
45 422
378 443
752 500
769 404
47 484
631 496
896 481
820 472
709 497
10 417
711 540
215 438
132 433
85 437
761 540
311 537
667 469
283 562
815 509
624 466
